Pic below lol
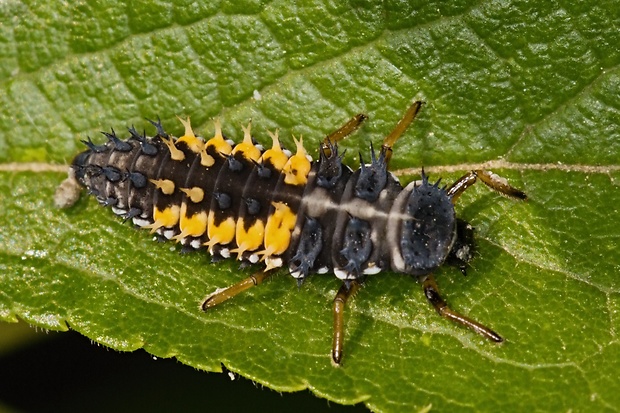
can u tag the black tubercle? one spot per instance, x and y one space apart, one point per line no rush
372 178
330 167
160 129
147 147
309 248
137 179
357 245
262 171
110 201
253 206
234 164
93 147
132 213
119 145
112 174
223 200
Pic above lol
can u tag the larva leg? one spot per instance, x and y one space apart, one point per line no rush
400 128
431 292
493 181
339 304
221 295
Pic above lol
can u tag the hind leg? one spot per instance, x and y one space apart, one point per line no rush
221 295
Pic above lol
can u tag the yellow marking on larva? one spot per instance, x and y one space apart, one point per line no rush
193 226
175 153
278 230
206 160
218 142
195 194
223 233
166 186
249 240
275 155
247 147
194 143
167 217
298 166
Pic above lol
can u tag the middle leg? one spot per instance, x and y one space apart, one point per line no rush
344 293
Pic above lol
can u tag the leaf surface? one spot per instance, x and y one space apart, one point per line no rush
531 88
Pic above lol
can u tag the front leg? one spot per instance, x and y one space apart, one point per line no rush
490 179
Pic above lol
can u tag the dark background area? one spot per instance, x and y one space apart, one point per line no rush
67 372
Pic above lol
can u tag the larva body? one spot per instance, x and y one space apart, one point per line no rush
279 209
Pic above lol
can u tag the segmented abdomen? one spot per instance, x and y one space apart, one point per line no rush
265 205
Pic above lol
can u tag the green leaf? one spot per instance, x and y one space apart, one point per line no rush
531 89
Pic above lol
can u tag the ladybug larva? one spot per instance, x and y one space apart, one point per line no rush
279 209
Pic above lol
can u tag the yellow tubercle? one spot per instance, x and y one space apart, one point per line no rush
166 186
223 233
249 240
217 141
298 166
206 160
275 155
194 143
191 226
167 217
278 230
195 194
175 153
247 147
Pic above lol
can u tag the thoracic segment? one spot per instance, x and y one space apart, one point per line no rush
267 205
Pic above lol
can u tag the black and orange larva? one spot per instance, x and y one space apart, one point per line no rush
283 209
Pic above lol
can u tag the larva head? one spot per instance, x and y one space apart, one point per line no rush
428 228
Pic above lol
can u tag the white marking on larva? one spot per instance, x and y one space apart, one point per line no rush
254 258
119 211
273 262
322 270
196 244
344 275
393 228
319 203
168 233
296 274
225 252
372 269
140 222
287 153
